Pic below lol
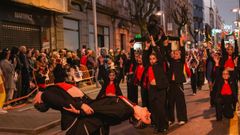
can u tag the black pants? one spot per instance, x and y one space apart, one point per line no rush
213 95
144 96
225 106
132 90
194 82
176 97
25 83
201 79
157 102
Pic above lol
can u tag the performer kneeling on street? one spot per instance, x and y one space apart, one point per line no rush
82 116
226 96
111 81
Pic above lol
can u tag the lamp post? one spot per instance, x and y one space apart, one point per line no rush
95 26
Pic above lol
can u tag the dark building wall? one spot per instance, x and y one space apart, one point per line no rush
198 14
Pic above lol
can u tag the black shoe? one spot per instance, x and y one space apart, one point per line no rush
219 119
152 126
156 131
164 131
130 121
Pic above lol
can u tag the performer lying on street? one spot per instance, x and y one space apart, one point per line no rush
83 116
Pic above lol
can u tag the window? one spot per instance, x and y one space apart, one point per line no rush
103 36
76 6
71 34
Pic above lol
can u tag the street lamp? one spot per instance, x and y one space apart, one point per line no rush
235 10
161 13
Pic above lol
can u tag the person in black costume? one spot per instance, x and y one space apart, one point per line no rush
226 97
111 80
82 116
132 89
176 59
229 54
158 84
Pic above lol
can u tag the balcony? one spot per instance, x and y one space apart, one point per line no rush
60 6
107 8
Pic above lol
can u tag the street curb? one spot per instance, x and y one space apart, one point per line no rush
47 126
32 131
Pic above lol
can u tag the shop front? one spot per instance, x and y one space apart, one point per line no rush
24 25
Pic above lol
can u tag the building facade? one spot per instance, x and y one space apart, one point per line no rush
212 19
198 19
114 27
67 24
23 22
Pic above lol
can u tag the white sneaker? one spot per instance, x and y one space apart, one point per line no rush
194 94
3 111
181 122
170 123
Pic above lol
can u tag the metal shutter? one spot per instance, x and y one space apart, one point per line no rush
14 34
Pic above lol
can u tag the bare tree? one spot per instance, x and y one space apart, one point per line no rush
180 16
140 10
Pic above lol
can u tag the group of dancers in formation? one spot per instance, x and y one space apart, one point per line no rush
159 72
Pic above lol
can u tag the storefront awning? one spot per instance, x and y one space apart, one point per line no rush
60 6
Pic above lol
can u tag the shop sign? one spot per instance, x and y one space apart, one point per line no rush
23 16
227 28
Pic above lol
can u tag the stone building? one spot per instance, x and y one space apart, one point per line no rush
114 29
29 22
67 24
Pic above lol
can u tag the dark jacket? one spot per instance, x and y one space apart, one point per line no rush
59 73
158 68
57 98
111 110
176 66
106 82
220 82
209 67
25 65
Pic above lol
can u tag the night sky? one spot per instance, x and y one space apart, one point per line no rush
224 7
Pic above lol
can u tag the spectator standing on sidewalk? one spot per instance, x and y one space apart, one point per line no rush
25 71
91 63
14 59
8 73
